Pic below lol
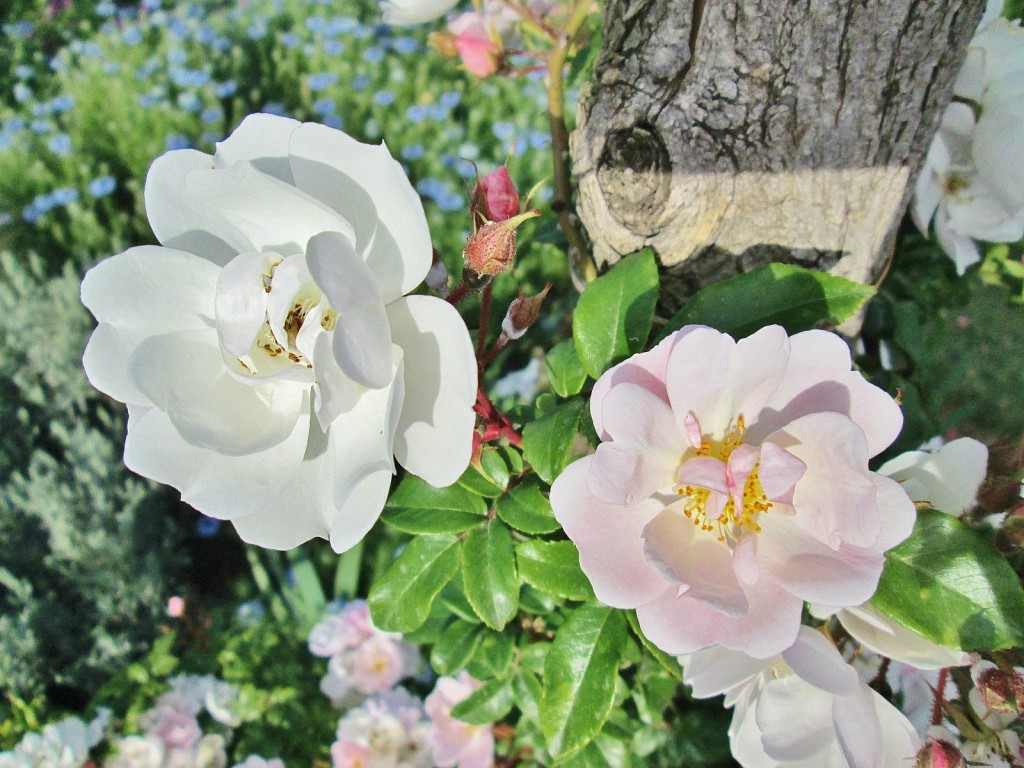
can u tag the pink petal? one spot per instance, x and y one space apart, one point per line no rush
858 730
779 473
717 670
817 661
697 366
896 512
627 474
794 719
609 538
705 472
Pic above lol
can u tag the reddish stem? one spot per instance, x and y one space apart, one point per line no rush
460 293
496 424
940 686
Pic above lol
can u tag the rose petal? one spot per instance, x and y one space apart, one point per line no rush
435 431
691 389
817 661
872 629
368 187
794 719
262 140
362 336
242 300
609 538
858 730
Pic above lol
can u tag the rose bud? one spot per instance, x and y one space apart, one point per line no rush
495 197
492 247
443 43
480 52
939 753
522 313
999 690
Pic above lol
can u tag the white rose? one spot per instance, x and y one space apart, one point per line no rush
409 12
272 365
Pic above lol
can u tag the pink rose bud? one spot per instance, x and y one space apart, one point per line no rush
480 53
175 607
492 247
522 313
495 197
940 754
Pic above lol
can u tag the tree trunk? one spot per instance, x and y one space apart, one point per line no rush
727 134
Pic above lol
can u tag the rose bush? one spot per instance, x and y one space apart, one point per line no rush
732 485
272 364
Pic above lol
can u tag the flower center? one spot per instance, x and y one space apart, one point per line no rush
726 516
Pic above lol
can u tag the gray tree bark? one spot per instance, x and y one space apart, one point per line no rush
727 134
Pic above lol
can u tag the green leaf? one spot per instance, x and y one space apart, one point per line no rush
603 752
528 691
488 703
668 663
553 567
493 657
797 299
565 372
526 509
579 678
613 316
489 574
948 583
455 647
420 508
495 467
548 440
476 482
453 597
400 600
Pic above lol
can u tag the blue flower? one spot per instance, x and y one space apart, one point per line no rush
290 40
177 141
334 121
189 101
150 5
207 527
151 99
211 115
23 72
275 108
22 93
205 34
362 33
220 44
41 109
64 196
106 8
374 54
405 45
503 131
417 113
14 124
102 186
257 30
5 218
177 57
22 29
132 36
384 98
225 90
360 82
465 169
315 23
60 144
190 78
340 25
322 80
334 47
539 139
111 67
437 112
62 103
412 152
450 99
324 107
147 69
39 127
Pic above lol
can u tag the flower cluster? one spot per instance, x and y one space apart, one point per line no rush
273 367
65 743
388 729
972 183
362 659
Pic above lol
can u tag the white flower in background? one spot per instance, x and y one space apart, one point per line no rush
948 477
272 365
64 744
255 761
409 12
136 752
972 182
804 709
387 730
457 744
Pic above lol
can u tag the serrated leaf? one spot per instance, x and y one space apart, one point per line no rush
453 597
949 584
548 440
488 703
667 662
553 567
614 314
797 299
477 483
526 509
400 599
579 678
420 508
565 372
489 574
455 648
495 467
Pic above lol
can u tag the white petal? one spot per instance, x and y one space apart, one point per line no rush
242 301
360 510
948 479
408 12
859 732
794 718
362 336
717 670
178 221
890 638
184 376
254 211
217 485
142 292
261 140
960 248
335 392
292 284
435 431
368 187
817 661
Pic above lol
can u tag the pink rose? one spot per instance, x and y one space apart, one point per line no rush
733 485
454 742
474 44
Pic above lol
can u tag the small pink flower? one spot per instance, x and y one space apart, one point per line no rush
454 742
732 486
175 729
176 607
475 46
350 754
377 664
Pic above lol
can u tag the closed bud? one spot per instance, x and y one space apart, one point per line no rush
1000 691
492 248
522 313
495 197
443 43
939 753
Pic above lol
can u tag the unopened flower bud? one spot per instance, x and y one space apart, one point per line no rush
1000 691
480 51
938 753
522 313
495 197
443 43
492 247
